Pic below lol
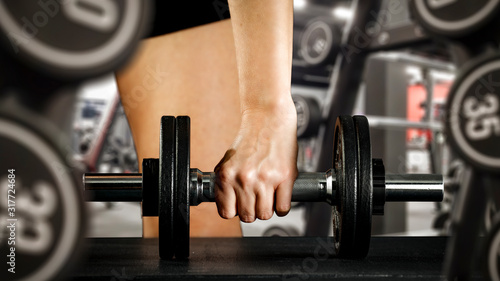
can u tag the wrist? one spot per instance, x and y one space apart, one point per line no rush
272 103
281 113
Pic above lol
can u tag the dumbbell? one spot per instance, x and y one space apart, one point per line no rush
356 187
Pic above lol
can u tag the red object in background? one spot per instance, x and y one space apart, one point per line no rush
416 106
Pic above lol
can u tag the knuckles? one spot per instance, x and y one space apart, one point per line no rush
234 176
260 180
245 177
225 176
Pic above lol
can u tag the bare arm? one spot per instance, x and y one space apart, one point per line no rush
263 38
257 172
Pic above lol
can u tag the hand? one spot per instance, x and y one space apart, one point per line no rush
256 175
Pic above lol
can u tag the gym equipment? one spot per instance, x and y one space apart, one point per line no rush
474 103
41 211
473 130
319 43
47 48
71 40
457 18
356 187
491 255
308 116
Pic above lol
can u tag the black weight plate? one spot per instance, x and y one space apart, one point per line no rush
455 18
319 42
43 234
473 113
346 170
308 116
150 187
181 211
73 39
365 188
491 251
166 198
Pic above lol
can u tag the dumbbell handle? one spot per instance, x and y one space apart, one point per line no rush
320 187
308 187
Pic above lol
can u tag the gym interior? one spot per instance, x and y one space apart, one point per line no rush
398 120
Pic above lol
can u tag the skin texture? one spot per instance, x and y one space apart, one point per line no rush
192 72
257 172
233 79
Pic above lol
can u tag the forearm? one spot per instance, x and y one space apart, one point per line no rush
263 31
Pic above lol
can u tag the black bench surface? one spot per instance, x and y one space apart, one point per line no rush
263 258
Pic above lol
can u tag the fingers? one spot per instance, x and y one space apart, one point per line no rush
252 193
265 203
284 197
226 202
225 196
251 202
246 206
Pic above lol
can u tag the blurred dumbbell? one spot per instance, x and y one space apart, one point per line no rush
72 39
42 216
47 48
458 19
308 116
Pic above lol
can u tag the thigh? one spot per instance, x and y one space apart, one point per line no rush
192 72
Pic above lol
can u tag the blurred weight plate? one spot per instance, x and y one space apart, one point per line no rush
492 251
319 42
308 116
473 113
49 213
283 231
73 39
455 18
489 214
